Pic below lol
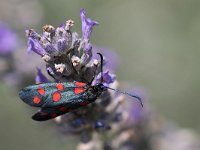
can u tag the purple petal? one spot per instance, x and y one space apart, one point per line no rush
87 25
40 78
61 41
50 48
8 40
88 54
34 45
62 45
107 78
88 50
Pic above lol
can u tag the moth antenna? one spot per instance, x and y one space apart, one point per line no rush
101 56
126 93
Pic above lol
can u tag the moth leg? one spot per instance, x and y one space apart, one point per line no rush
101 67
50 74
93 75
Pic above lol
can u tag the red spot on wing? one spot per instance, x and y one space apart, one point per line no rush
60 86
84 103
41 91
53 115
36 100
80 84
78 90
56 96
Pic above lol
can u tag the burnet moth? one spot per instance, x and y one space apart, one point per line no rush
56 99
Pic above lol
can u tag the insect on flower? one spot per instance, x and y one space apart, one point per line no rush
56 99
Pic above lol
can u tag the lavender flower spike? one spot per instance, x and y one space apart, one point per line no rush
87 25
40 78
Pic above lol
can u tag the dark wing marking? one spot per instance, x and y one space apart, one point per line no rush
49 113
52 112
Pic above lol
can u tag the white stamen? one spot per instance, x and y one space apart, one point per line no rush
46 58
69 24
60 67
48 28
95 62
75 61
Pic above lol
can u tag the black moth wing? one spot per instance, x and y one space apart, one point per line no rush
47 95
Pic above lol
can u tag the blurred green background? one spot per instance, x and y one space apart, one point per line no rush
158 45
